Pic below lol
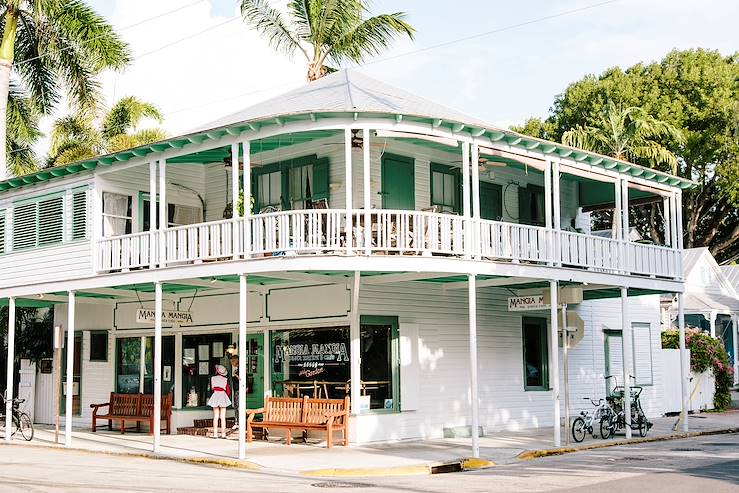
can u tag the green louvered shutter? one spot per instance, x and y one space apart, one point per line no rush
51 221
320 180
2 232
524 205
79 207
25 223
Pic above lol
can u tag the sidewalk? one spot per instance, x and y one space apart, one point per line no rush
411 457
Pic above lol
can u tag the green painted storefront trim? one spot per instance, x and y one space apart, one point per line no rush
507 137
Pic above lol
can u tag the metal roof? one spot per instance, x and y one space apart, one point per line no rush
347 93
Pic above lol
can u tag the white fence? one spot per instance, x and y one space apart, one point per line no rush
701 387
381 231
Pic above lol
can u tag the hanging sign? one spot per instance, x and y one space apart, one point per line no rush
148 316
525 303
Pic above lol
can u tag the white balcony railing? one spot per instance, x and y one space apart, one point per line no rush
388 231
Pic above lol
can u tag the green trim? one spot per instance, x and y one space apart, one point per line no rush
544 342
394 357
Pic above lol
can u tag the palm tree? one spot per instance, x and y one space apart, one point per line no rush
325 31
50 48
629 134
82 135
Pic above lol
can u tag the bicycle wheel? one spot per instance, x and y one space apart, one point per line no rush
606 427
642 425
578 430
26 426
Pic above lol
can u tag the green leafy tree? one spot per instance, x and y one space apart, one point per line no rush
694 91
48 48
325 31
80 136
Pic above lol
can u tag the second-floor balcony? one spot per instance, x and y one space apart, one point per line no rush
388 232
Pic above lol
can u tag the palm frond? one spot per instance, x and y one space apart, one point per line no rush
370 37
122 142
38 76
269 22
126 114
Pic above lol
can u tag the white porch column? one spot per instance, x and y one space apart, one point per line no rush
11 359
96 196
626 357
163 209
684 363
679 230
625 223
152 214
554 360
367 185
475 163
355 370
556 212
157 411
474 400
242 365
667 219
69 395
246 147
265 374
466 198
348 189
712 322
235 200
548 210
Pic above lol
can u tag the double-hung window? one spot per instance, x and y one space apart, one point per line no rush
294 184
445 187
531 205
177 215
117 214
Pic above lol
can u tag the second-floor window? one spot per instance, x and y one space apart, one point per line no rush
117 214
531 205
294 184
445 187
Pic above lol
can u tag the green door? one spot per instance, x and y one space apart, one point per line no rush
398 183
255 371
491 201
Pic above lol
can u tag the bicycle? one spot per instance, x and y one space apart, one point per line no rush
585 422
616 419
20 420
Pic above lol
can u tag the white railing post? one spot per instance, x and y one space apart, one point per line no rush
625 223
97 227
163 212
235 200
556 213
152 214
475 158
466 199
348 189
246 146
548 211
679 231
367 184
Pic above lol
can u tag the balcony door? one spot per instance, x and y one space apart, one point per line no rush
398 183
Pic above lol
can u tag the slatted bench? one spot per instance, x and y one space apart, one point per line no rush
135 408
290 413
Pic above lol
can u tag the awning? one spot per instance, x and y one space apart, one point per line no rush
704 302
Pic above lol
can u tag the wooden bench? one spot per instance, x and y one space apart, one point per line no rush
304 414
132 408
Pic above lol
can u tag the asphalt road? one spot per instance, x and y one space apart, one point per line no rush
706 464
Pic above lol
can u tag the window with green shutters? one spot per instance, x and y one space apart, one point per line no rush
445 187
49 220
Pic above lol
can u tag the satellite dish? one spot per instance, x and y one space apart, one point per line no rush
575 328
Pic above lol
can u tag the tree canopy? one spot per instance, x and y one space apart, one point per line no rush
696 92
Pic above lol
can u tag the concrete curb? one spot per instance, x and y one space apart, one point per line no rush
536 454
230 463
464 464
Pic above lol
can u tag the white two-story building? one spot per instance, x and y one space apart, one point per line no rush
396 251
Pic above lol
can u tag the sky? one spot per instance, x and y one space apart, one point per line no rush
201 61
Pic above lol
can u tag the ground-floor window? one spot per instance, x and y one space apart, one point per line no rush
317 362
641 356
200 355
132 376
535 353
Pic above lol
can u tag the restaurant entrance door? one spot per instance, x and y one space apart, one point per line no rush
254 371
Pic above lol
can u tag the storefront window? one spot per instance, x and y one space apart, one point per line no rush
128 365
200 355
167 365
316 362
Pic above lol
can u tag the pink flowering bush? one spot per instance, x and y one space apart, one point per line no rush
706 353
